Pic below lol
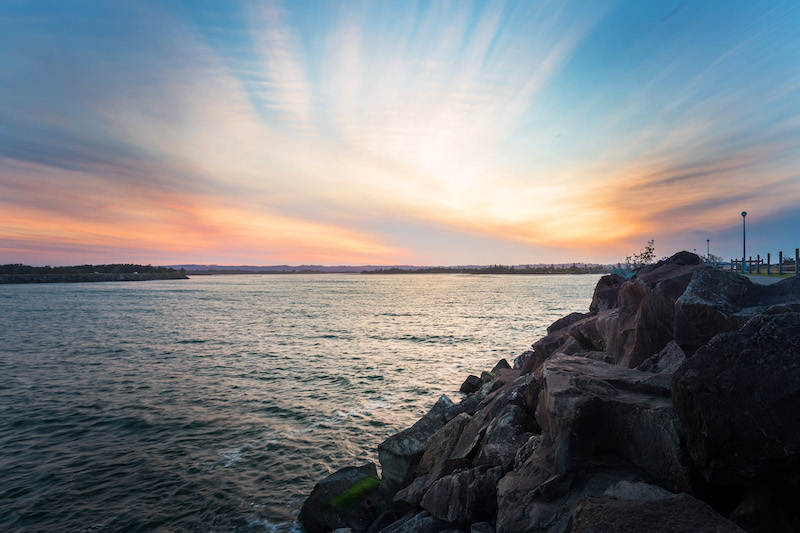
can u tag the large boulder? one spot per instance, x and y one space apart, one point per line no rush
596 333
717 301
400 453
645 324
669 278
588 408
600 424
738 400
711 304
654 514
441 443
565 321
348 498
506 433
547 503
464 497
492 406
768 511
605 293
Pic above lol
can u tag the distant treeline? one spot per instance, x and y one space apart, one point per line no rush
216 271
496 269
17 269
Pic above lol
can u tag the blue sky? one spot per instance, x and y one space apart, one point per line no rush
396 132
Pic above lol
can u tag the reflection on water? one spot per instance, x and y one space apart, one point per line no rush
215 404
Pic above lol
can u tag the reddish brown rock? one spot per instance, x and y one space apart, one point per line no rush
645 326
605 293
568 320
441 443
600 424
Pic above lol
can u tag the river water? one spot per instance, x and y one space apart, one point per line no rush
216 403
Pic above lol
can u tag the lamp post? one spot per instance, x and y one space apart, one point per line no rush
744 244
708 252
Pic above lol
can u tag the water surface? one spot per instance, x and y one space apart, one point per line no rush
216 403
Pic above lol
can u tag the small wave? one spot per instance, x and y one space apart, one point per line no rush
233 456
275 527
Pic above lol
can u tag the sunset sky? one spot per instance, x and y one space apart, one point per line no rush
428 133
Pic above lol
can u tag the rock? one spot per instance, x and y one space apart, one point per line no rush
506 433
400 453
738 402
571 347
481 527
544 348
645 325
681 512
768 511
717 301
468 406
605 293
680 258
625 490
502 364
596 333
711 304
441 443
590 408
546 504
670 277
600 424
568 320
413 493
526 451
464 497
603 357
347 498
386 519
490 408
471 384
521 360
416 523
666 361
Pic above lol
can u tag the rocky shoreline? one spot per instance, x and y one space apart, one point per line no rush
672 405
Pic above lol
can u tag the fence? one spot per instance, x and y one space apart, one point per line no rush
785 265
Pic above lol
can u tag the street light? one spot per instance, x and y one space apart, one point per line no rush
708 252
744 244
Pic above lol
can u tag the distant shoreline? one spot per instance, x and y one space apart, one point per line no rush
386 273
87 278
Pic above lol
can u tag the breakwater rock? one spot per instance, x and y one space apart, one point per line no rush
673 404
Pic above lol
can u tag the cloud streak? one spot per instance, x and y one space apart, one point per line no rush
320 130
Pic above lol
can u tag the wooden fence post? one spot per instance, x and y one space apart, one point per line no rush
768 263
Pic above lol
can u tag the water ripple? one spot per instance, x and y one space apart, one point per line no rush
215 404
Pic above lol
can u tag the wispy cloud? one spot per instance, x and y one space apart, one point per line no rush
325 128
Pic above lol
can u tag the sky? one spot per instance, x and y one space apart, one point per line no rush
425 133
